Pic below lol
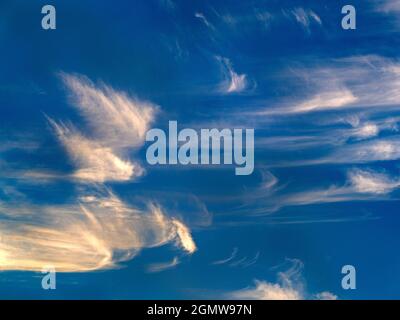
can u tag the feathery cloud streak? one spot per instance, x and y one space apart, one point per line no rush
234 82
115 118
353 82
95 162
288 287
98 232
116 122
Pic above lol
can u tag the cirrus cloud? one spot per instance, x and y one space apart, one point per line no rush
98 232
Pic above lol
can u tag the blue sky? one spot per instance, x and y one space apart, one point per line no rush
77 193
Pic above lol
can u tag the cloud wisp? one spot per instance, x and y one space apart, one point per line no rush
305 17
362 82
233 82
228 259
289 286
94 161
116 122
202 17
360 185
231 261
98 232
114 117
162 266
364 181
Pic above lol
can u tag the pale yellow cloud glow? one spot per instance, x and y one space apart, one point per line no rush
99 232
94 162
115 123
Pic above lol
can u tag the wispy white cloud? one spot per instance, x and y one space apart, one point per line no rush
364 152
184 237
233 82
245 261
387 6
305 17
366 130
263 290
295 142
203 18
258 17
365 181
289 287
264 19
116 122
362 127
269 181
325 295
360 185
228 259
162 266
332 99
18 143
99 232
95 162
116 119
355 82
341 150
331 95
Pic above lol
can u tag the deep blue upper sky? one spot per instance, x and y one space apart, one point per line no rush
324 103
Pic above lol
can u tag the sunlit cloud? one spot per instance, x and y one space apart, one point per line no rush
233 82
288 287
356 82
95 162
99 232
360 185
116 122
367 130
184 238
371 182
116 119
359 151
331 99
364 152
263 290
